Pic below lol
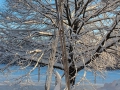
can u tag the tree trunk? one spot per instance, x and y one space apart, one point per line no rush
72 69
72 72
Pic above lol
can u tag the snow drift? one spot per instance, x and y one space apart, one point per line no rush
115 85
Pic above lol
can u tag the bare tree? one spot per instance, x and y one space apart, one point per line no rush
89 32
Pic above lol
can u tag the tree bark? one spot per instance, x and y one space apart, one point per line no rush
72 72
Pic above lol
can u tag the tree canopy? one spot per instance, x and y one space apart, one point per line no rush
76 34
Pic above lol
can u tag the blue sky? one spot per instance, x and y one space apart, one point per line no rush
2 4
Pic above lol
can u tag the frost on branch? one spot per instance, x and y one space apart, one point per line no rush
91 31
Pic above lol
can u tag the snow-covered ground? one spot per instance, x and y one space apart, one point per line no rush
115 85
41 86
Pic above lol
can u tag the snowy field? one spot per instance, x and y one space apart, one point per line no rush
10 80
115 85
37 86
